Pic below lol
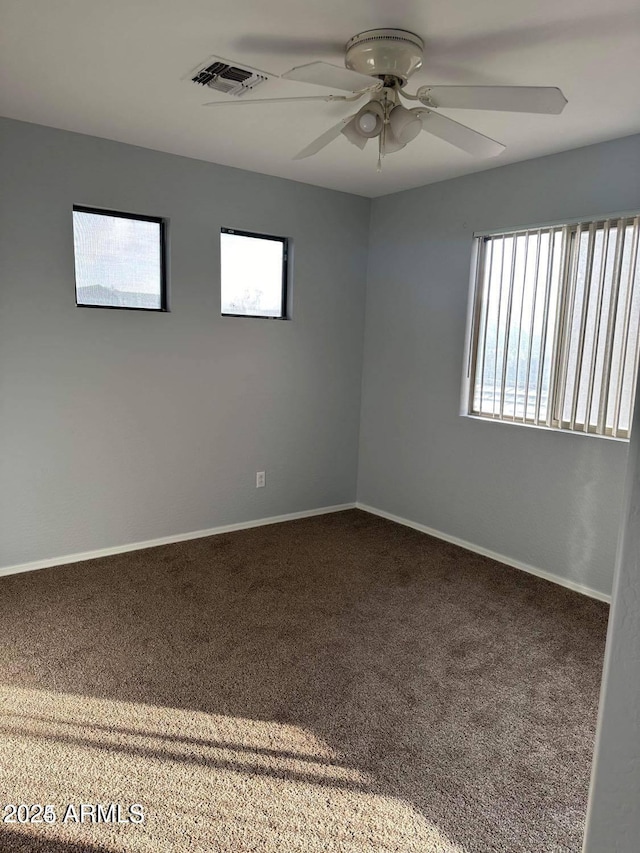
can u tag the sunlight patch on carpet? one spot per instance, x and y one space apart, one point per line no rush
206 781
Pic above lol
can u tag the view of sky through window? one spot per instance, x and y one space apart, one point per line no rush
251 275
118 261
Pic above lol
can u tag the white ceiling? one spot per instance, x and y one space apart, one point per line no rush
116 69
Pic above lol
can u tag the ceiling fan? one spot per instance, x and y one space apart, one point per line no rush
378 64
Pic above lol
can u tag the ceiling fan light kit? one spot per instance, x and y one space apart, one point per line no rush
405 124
392 123
378 64
370 119
353 134
389 144
369 123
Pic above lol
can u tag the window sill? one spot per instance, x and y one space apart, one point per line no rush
558 430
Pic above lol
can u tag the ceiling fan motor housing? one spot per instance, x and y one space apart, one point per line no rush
385 53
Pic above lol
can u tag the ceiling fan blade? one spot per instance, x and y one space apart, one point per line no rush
517 99
459 135
333 76
327 137
240 101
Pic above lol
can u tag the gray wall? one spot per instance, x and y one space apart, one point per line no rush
125 426
549 499
121 426
613 817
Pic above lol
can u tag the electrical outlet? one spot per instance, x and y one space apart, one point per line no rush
261 481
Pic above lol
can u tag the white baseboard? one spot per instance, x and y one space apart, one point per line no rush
276 519
485 552
168 540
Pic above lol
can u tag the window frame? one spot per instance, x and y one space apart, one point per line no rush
284 301
571 229
162 222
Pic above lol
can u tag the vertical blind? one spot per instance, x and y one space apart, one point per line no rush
557 326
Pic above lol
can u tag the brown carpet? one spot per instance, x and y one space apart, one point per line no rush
339 683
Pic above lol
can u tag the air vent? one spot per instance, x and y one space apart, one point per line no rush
223 76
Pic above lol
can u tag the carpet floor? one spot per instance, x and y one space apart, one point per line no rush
334 684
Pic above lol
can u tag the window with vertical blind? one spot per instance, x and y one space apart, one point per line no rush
556 326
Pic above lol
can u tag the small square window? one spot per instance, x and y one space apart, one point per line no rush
253 274
119 260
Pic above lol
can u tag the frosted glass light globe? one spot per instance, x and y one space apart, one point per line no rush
405 124
367 122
